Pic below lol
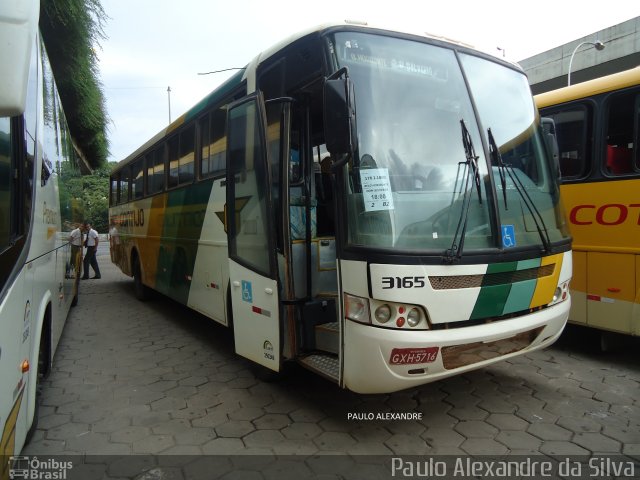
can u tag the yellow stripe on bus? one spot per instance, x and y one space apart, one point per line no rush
8 441
546 286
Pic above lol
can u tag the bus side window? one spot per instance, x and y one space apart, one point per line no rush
214 143
114 190
186 155
572 131
155 171
124 185
618 159
621 115
5 183
137 185
173 148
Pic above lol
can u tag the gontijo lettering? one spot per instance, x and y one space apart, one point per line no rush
130 218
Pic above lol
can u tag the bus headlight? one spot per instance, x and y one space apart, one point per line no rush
561 293
356 308
413 317
383 313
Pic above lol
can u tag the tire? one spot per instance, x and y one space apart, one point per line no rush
76 290
41 374
140 289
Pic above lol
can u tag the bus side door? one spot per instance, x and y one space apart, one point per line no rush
250 222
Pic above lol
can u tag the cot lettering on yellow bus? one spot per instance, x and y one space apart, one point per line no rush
608 215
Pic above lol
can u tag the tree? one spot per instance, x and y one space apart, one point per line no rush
87 196
71 31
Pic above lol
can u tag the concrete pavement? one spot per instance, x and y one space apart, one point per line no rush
156 378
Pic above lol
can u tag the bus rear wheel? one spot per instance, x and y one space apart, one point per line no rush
141 290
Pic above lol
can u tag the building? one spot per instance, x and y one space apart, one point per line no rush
549 70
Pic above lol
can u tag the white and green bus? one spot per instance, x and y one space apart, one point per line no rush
378 206
36 284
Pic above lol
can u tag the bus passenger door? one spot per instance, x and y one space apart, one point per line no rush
249 217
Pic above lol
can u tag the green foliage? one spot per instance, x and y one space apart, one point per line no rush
71 30
87 196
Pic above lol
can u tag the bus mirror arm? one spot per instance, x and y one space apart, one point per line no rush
339 113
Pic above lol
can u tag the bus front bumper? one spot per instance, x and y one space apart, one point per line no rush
382 360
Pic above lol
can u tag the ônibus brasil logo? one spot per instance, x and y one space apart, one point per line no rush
33 468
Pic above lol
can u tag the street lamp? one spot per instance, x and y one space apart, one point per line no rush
599 46
169 100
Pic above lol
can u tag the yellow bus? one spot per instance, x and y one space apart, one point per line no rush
354 200
598 132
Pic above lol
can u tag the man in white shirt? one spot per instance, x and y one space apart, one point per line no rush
75 239
91 242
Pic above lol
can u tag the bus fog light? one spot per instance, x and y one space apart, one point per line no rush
383 313
356 308
413 317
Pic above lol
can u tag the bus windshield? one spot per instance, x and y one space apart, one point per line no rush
420 179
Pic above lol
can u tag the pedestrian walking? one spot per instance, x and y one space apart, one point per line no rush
91 242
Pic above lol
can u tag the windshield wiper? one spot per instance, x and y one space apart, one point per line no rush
470 177
522 191
496 159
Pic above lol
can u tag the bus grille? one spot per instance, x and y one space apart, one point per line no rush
442 282
457 356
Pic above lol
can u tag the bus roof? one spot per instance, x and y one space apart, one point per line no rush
615 81
228 86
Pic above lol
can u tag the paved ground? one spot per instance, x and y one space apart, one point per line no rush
155 378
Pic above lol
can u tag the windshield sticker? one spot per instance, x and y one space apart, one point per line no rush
508 236
376 189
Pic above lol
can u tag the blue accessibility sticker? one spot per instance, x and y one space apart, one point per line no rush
508 236
247 294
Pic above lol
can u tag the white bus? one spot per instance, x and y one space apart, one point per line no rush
377 206
36 284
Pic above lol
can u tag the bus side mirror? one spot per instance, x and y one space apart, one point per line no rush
18 27
551 141
339 116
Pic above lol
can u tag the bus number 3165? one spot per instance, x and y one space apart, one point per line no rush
402 282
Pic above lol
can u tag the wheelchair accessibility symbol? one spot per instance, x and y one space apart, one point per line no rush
247 295
508 236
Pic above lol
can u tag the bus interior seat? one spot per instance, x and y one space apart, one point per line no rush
618 159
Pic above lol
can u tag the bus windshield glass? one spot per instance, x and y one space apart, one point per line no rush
529 197
420 179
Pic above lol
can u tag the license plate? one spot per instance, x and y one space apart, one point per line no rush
410 356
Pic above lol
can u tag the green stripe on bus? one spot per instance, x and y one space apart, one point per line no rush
498 300
520 297
183 220
521 292
216 96
490 302
526 264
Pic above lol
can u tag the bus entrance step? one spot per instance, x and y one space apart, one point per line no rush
325 365
328 337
